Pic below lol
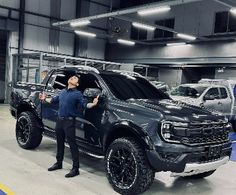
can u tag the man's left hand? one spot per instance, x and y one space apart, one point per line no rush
95 100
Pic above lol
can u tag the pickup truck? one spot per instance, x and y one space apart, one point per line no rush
214 94
137 128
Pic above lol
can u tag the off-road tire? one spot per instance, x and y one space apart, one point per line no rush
144 174
28 131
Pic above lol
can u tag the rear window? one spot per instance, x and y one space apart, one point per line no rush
223 93
126 87
188 91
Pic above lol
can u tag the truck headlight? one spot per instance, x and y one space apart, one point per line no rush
169 127
166 130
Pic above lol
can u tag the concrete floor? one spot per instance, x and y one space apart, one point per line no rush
25 172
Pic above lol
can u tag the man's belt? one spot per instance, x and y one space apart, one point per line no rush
66 118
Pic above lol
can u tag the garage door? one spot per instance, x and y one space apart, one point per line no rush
3 49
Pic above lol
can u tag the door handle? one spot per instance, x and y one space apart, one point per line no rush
219 103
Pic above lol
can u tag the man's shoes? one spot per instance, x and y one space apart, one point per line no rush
73 172
54 167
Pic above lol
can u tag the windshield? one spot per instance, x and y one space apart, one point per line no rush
126 87
187 91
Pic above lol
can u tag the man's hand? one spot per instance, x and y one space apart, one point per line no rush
95 100
42 96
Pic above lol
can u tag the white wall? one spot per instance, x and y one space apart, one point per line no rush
172 77
10 3
68 9
37 28
66 43
38 6
227 74
36 38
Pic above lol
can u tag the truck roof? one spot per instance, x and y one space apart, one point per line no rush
200 85
81 67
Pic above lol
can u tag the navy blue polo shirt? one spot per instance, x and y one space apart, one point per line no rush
71 103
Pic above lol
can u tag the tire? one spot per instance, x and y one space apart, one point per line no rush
28 131
125 158
202 175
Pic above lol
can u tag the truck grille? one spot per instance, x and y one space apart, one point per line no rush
205 132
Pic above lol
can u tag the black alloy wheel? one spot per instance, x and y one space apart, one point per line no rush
127 167
123 167
28 131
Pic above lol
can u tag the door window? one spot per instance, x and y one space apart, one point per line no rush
59 80
213 92
88 81
223 93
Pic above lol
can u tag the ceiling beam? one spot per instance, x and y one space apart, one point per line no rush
127 11
129 19
224 3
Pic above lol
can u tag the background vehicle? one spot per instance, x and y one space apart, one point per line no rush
161 85
214 97
214 94
136 127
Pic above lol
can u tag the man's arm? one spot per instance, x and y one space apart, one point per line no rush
95 102
43 97
83 103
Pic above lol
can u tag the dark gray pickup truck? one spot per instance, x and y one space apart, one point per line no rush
137 128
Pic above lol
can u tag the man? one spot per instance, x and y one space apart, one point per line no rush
69 99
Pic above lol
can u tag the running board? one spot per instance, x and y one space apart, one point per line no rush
51 135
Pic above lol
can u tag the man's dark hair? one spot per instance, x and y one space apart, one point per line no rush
78 77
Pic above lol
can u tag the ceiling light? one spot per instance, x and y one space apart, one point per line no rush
126 42
154 10
184 36
143 26
83 33
176 44
80 23
233 10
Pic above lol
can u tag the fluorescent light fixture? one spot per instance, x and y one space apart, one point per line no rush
233 10
143 26
176 44
83 33
184 36
155 10
80 23
126 42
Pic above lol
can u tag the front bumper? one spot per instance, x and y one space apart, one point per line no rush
197 168
179 158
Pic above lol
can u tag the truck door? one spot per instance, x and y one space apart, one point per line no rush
212 99
225 100
88 128
56 83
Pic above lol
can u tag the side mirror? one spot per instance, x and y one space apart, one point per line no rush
10 84
208 97
92 92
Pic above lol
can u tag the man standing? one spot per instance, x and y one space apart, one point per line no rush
69 99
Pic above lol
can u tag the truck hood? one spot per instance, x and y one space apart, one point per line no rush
188 100
175 110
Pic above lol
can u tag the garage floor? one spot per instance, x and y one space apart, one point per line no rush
25 172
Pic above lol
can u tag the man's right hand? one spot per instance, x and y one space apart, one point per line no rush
42 96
